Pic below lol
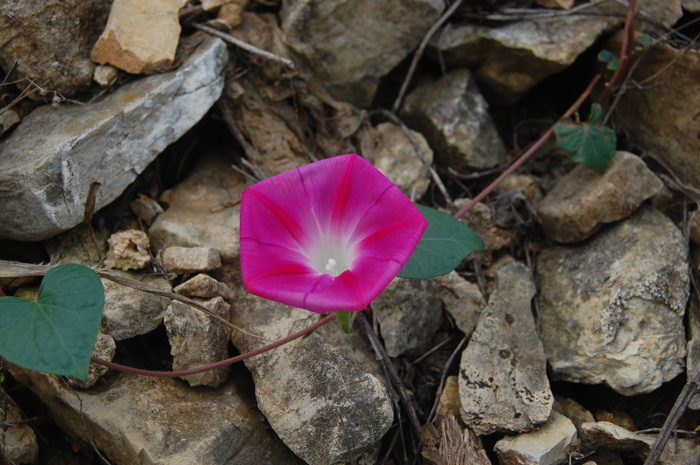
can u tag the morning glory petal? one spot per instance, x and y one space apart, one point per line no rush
328 236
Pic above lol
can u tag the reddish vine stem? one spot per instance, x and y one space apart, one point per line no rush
627 39
228 361
531 151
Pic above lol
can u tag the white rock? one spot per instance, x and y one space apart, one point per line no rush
547 445
611 308
46 180
504 360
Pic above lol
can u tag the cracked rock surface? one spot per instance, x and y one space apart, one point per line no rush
46 180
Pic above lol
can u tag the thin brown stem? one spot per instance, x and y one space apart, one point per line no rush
228 361
419 53
395 380
692 387
531 151
627 40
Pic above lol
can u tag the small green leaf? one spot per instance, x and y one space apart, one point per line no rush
443 246
591 143
344 320
55 333
610 59
643 42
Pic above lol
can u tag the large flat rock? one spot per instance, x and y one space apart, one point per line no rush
55 153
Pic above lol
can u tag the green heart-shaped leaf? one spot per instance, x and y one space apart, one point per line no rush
591 143
443 246
55 333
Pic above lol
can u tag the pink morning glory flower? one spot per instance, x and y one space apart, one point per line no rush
328 236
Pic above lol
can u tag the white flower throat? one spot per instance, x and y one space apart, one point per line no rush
332 257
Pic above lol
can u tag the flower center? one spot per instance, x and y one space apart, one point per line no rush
332 258
330 267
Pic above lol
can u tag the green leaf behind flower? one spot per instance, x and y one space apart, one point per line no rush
443 246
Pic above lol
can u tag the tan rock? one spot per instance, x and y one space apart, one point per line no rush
232 13
453 116
584 200
563 4
548 445
204 209
681 452
389 149
178 259
128 250
140 36
143 420
197 339
105 348
658 116
204 286
604 302
462 300
481 220
18 441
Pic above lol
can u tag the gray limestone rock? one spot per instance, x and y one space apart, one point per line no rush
129 312
583 200
611 308
548 445
319 401
462 300
512 58
454 118
409 314
355 43
45 180
135 419
196 339
504 360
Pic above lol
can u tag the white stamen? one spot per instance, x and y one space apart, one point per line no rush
330 267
